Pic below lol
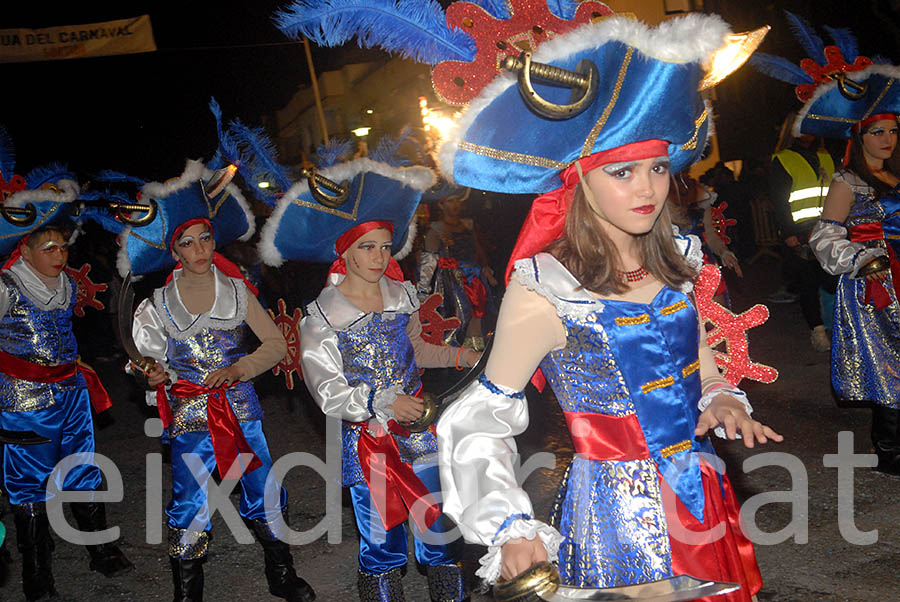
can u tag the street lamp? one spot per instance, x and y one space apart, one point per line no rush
361 131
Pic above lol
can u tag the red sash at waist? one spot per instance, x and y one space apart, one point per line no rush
224 429
876 294
393 484
24 370
601 437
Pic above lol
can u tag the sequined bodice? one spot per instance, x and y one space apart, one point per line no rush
41 337
380 354
620 353
195 357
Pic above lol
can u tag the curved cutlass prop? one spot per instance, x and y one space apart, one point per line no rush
541 582
436 404
22 438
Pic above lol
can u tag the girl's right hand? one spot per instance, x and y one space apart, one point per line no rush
156 375
878 276
518 555
407 408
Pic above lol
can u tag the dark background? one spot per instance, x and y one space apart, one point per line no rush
146 113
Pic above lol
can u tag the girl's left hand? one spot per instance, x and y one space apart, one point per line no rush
223 376
472 357
727 411
731 261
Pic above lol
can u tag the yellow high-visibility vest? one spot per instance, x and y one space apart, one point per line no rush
808 189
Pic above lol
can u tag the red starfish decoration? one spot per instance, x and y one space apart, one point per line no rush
531 23
720 222
290 329
731 328
87 289
434 325
825 73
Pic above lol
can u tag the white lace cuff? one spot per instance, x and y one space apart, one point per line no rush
381 400
707 399
525 528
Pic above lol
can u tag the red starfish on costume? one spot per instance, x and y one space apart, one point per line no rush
731 328
87 290
290 329
720 222
530 24
434 325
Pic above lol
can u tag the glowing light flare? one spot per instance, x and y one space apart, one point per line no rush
263 185
361 131
726 60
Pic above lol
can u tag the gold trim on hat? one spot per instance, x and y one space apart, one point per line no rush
512 157
617 89
851 120
337 212
692 143
161 246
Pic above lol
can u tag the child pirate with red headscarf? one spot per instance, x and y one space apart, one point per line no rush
361 350
44 388
193 330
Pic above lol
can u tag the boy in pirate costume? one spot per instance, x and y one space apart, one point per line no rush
361 350
194 328
43 386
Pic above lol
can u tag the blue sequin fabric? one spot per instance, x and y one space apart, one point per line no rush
194 358
865 349
38 336
616 359
381 355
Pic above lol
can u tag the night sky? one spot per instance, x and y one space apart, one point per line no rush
146 113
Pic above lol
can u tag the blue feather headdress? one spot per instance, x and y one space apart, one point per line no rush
839 87
49 191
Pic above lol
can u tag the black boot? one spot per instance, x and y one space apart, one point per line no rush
106 558
886 438
187 575
445 583
382 587
35 544
283 580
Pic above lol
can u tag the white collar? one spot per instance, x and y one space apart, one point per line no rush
228 310
31 285
341 314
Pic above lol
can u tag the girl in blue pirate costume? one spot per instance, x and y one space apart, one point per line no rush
849 96
361 350
195 328
599 296
43 386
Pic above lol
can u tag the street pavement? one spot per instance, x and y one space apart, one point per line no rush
819 563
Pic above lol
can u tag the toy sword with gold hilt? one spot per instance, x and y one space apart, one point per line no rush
126 301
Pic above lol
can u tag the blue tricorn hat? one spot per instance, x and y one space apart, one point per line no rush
303 229
839 87
147 248
50 196
648 88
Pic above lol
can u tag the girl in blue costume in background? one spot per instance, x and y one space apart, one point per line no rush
856 234
361 350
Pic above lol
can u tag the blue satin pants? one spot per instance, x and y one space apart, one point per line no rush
381 551
69 426
189 498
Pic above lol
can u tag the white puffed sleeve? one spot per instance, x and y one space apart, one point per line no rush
838 255
4 300
151 339
478 460
323 373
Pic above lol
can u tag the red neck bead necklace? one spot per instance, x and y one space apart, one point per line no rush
633 275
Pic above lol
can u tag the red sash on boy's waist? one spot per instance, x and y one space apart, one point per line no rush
875 291
397 488
24 370
601 437
224 429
